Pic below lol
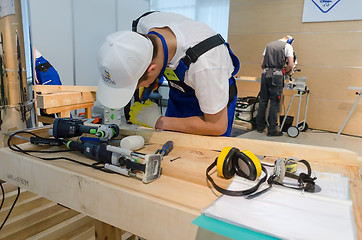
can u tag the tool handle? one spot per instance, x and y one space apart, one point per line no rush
166 148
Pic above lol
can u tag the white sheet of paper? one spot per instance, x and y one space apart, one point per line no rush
291 214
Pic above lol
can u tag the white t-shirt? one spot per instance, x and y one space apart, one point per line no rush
209 75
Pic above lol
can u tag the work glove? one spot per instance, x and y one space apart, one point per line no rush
145 114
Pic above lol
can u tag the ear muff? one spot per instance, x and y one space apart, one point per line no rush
231 161
225 164
247 165
290 40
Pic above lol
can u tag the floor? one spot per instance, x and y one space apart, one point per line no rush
310 137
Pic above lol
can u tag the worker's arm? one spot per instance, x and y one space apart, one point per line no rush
209 124
290 65
262 63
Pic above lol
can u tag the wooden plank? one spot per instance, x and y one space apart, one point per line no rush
65 229
23 207
85 233
24 195
64 98
9 187
42 225
63 88
68 107
181 192
27 219
46 119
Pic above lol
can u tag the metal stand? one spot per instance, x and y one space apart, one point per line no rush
350 113
293 131
297 84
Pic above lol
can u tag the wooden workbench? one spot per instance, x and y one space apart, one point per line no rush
165 208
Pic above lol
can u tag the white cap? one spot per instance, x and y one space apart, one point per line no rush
122 60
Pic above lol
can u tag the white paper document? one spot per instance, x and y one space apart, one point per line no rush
291 214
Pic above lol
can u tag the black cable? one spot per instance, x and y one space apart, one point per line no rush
25 151
16 148
3 199
11 209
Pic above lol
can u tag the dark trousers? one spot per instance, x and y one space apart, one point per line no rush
271 88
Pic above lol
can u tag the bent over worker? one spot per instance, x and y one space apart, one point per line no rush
275 56
197 63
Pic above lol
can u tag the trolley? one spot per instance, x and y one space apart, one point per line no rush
298 84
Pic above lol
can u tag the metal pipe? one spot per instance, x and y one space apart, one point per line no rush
17 109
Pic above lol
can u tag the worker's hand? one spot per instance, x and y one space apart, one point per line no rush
145 114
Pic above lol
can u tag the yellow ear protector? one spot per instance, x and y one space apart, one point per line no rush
287 168
232 161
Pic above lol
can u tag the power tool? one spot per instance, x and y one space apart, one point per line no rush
121 160
69 127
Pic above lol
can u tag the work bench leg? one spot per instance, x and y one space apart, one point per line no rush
109 232
88 112
64 114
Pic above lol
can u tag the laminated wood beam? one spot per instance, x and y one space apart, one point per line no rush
69 107
61 99
63 88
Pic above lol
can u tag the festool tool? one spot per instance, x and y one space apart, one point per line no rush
121 160
69 127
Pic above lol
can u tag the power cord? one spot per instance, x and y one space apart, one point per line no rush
40 140
12 206
3 192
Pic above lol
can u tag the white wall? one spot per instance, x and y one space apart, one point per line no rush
69 32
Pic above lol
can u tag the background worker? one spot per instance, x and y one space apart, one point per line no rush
275 56
202 93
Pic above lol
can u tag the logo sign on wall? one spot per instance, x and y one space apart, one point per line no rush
331 10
